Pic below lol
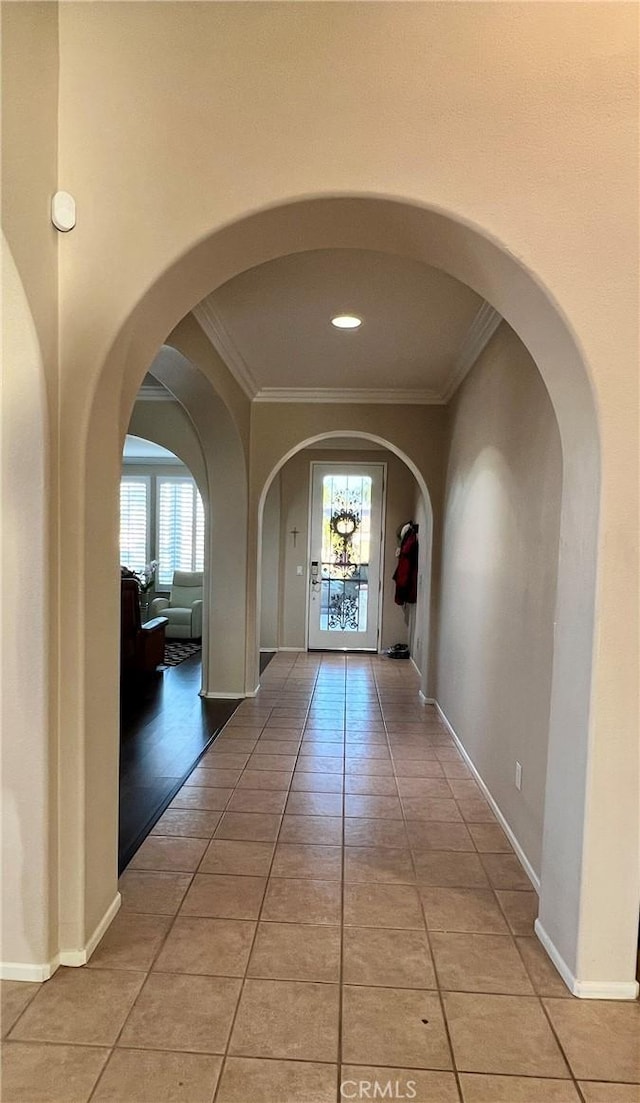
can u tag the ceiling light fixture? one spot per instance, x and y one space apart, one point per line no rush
346 321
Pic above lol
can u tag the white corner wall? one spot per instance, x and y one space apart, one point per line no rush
498 581
27 829
29 643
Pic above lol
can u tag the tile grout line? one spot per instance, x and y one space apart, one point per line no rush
310 1061
148 975
560 1046
160 949
37 988
192 874
429 944
150 970
342 888
234 1018
572 1079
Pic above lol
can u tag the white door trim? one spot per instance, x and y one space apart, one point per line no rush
382 465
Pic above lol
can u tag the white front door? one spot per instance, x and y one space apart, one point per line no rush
346 543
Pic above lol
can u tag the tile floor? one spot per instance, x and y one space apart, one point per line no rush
327 900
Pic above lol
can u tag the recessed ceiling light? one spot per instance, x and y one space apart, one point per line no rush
346 321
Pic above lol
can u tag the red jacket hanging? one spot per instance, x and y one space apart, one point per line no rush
405 575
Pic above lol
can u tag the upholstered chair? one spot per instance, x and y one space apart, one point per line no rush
141 645
183 609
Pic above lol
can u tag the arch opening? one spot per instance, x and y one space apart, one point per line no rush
423 610
591 941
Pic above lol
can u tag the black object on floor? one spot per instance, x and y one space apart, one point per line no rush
176 651
165 727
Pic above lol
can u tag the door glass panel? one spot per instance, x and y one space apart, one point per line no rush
346 539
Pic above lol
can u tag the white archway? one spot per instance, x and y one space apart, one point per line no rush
590 889
223 672
422 486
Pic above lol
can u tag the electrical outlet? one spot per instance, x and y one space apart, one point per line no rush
299 570
518 776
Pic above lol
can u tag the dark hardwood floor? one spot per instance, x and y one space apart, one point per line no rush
165 728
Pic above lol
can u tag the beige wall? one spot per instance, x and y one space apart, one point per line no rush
295 476
168 424
499 569
30 162
270 578
28 398
424 613
28 830
178 192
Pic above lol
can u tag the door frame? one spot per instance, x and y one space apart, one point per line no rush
383 532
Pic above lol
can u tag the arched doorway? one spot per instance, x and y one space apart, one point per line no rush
365 438
583 870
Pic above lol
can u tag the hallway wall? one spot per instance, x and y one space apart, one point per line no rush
545 229
420 642
270 581
498 584
168 424
28 428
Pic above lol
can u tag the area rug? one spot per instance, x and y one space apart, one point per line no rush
176 651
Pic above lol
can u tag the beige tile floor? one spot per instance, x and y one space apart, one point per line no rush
328 900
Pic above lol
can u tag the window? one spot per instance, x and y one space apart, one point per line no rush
180 525
161 517
134 522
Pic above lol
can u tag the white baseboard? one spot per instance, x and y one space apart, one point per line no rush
295 650
213 695
603 990
37 973
585 989
426 700
522 857
17 970
75 958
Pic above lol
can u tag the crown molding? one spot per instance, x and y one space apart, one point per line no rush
354 395
476 340
148 393
210 321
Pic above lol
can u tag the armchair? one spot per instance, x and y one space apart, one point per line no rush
141 645
183 609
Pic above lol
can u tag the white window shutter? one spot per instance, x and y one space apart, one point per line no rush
134 523
180 528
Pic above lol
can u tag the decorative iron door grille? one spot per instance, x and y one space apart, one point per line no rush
346 539
346 519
